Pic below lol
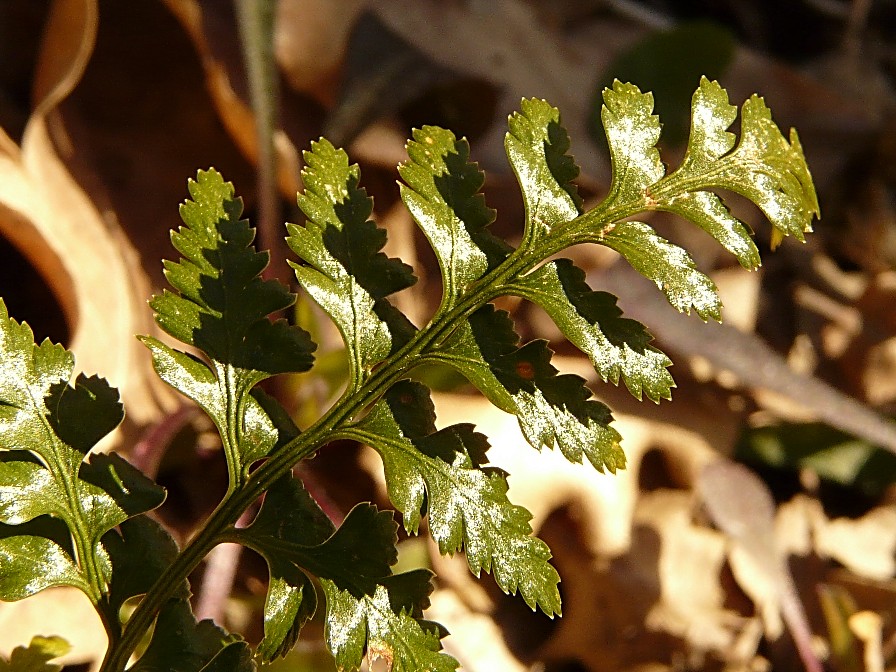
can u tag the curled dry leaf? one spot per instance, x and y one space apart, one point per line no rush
83 255
866 545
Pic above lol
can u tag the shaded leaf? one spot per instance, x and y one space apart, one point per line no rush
617 346
131 492
384 626
441 191
140 551
355 556
180 644
346 273
221 306
222 303
288 513
432 471
293 534
552 409
91 398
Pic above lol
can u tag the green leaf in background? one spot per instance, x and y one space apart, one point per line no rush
181 644
668 63
834 455
221 306
441 191
553 410
440 473
537 145
47 426
36 656
617 346
386 626
345 272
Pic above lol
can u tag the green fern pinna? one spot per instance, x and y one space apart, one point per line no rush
73 517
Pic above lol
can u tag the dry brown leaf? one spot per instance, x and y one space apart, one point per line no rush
868 362
866 546
867 626
82 253
475 641
742 508
690 563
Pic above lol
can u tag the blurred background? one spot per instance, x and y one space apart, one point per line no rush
755 526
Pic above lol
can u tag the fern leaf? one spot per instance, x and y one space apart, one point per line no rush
467 505
181 644
47 429
441 191
553 410
386 626
345 272
617 346
537 145
221 306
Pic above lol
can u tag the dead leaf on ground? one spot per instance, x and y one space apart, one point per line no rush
80 252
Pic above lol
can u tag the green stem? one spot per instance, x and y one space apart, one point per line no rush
398 365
